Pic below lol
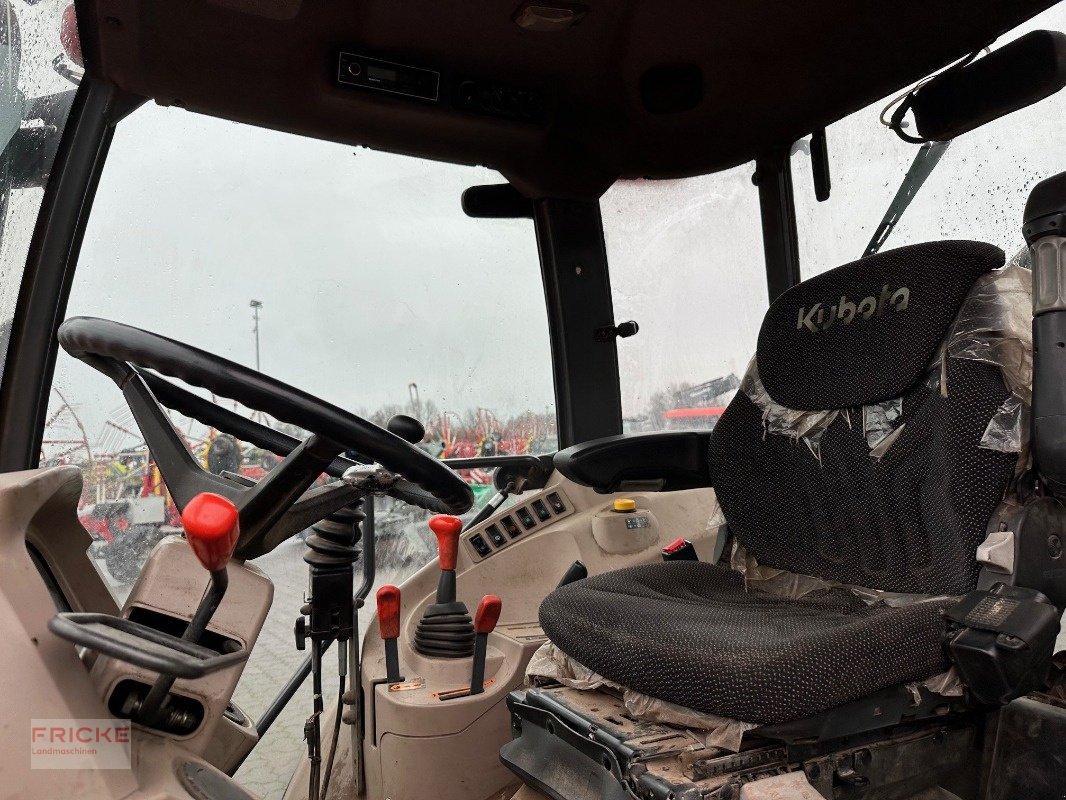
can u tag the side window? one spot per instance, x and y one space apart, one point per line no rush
686 263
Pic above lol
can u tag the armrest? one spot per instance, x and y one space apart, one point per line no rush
659 462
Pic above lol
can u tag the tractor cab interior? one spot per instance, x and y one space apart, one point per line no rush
836 570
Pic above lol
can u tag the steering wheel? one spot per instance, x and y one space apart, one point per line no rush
282 503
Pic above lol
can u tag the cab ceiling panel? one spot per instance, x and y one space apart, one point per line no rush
561 97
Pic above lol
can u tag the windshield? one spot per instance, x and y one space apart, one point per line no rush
349 273
37 83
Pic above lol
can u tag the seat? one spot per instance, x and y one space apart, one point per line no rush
856 451
690 633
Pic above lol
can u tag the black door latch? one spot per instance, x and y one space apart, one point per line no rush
622 330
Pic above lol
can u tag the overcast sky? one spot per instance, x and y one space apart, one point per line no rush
372 278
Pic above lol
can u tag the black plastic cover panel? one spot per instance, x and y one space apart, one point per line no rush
1028 756
666 461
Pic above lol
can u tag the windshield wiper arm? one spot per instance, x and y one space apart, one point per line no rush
928 156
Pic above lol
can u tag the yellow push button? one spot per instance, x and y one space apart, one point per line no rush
625 504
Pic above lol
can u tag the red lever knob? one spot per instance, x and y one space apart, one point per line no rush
212 527
447 529
488 613
389 611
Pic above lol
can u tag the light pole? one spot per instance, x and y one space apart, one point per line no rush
255 306
416 403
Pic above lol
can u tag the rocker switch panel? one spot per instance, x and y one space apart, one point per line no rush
501 531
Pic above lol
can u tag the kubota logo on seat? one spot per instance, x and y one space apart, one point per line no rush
822 317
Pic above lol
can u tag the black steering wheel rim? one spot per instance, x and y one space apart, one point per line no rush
91 338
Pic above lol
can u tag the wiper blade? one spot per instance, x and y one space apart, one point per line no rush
928 156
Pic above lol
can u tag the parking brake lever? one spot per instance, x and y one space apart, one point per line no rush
212 527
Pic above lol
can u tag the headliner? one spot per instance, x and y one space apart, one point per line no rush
772 71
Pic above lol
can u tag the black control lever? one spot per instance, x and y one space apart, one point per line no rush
491 507
330 617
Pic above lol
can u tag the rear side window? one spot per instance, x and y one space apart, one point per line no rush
686 261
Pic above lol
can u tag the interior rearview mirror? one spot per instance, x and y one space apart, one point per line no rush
1014 76
496 201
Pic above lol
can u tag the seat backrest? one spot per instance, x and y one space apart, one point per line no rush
863 340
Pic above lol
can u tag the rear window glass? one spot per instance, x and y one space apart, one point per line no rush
686 261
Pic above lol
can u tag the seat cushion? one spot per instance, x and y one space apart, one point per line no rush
692 634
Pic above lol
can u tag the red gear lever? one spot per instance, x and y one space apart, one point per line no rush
445 630
447 529
212 527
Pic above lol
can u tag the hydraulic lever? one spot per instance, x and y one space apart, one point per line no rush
388 598
212 529
492 506
485 619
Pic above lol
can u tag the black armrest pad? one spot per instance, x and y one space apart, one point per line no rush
665 462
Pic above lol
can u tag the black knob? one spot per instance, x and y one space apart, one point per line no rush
622 330
407 428
300 632
223 454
